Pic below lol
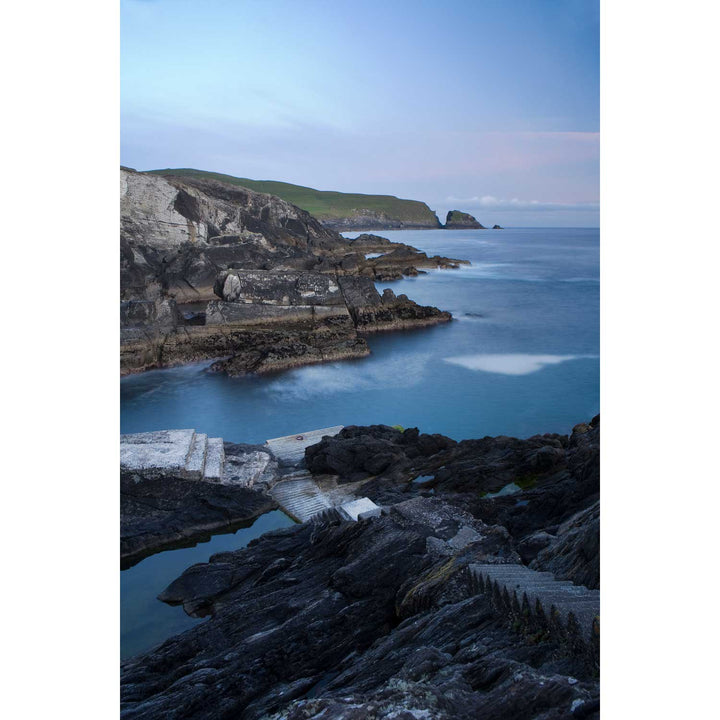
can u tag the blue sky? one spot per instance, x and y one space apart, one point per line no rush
487 106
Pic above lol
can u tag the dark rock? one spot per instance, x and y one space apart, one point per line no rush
354 620
189 239
497 227
457 220
162 511
358 452
574 554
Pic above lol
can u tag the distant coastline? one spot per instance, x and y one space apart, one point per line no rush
344 212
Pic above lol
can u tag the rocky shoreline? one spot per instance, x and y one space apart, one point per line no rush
383 617
271 287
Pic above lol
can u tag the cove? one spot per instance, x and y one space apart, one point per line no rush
144 620
520 357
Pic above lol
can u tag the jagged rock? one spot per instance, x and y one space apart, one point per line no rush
457 220
574 553
358 452
274 266
354 620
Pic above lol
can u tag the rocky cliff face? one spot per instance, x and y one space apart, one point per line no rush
364 219
457 220
185 242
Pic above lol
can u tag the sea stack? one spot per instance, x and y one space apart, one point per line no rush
497 227
457 220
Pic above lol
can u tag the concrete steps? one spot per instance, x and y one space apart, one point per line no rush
177 453
195 465
214 460
537 601
300 497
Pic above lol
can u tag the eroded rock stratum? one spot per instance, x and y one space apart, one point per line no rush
212 270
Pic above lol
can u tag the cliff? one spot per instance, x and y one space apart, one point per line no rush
212 270
457 220
340 211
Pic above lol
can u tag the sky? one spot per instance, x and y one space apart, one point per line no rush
485 106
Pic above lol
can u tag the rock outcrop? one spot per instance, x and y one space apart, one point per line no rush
497 227
426 609
457 220
187 241
377 618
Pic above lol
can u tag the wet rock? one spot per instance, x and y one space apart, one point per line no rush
161 509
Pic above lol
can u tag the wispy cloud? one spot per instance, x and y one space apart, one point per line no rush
490 202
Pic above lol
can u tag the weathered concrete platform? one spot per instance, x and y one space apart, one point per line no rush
195 456
180 453
290 449
540 602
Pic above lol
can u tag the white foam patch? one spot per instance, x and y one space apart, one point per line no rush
341 377
509 364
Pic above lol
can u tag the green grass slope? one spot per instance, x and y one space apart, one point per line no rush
324 204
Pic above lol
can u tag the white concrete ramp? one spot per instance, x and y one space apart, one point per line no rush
290 449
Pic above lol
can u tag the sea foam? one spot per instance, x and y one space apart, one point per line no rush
516 364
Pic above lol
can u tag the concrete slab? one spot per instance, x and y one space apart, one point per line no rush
163 452
245 469
351 510
290 449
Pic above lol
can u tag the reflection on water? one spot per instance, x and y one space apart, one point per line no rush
144 620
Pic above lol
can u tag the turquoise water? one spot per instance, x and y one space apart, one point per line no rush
144 620
521 356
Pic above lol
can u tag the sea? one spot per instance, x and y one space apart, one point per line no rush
520 357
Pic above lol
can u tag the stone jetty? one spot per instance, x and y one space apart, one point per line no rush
277 468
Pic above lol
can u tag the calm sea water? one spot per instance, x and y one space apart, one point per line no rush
144 620
521 356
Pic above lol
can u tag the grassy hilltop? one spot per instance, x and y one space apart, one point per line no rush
343 210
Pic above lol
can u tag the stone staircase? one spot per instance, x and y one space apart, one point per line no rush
300 497
538 602
180 453
298 492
